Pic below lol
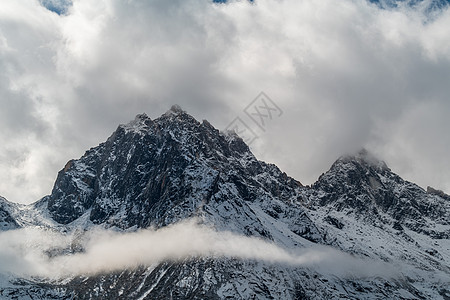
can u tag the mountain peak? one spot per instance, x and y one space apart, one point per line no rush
142 117
365 158
141 122
363 184
155 162
175 110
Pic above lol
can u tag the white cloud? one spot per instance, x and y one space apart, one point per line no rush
346 74
35 252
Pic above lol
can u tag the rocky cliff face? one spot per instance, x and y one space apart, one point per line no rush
157 172
7 221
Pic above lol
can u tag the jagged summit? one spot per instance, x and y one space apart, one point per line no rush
351 175
180 125
140 123
175 109
364 158
143 121
355 171
142 116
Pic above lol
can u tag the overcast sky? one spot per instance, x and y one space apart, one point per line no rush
346 74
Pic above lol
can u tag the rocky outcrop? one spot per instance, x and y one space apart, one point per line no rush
7 221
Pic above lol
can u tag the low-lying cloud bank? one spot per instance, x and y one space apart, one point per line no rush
46 254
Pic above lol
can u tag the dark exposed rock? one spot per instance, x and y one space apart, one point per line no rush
335 222
397 226
7 221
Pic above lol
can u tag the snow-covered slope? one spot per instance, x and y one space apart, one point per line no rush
158 172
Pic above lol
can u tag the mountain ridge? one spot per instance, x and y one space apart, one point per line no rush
155 173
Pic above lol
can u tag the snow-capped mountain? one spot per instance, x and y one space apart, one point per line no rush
365 187
154 173
365 209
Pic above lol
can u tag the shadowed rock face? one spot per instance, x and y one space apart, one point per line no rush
7 221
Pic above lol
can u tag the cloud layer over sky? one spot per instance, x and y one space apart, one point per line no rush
346 74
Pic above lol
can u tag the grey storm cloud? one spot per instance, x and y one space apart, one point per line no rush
346 74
